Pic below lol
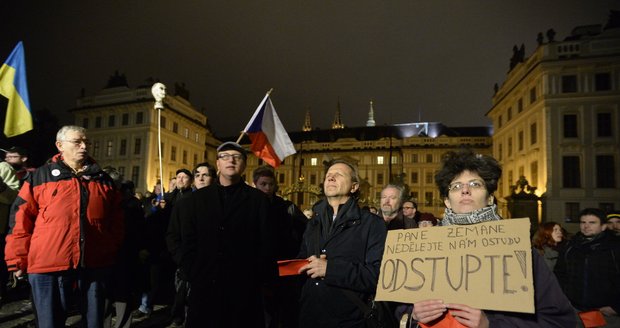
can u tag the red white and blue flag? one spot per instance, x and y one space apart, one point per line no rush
270 142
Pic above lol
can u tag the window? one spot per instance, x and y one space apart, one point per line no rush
414 158
137 146
571 212
532 95
139 117
380 179
197 137
109 147
394 160
534 173
135 175
380 160
500 121
125 119
571 172
521 172
111 121
569 83
428 198
313 161
607 207
186 133
85 122
312 179
195 160
163 122
429 177
520 140
603 125
429 158
602 81
509 116
499 152
185 157
509 147
414 177
414 196
281 178
173 153
533 134
122 150
605 171
520 105
570 126
510 178
121 170
98 122
96 149
175 127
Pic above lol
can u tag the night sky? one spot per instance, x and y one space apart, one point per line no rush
417 60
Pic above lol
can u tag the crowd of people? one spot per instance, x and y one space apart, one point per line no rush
208 246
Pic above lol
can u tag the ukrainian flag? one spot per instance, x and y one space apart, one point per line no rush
13 85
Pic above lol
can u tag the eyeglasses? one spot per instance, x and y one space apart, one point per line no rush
78 142
458 186
227 157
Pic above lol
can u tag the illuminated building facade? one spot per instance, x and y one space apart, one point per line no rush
122 128
556 122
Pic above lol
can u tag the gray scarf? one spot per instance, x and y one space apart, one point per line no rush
484 214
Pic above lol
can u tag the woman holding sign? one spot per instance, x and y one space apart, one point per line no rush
467 182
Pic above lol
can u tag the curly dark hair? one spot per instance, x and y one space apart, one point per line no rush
455 162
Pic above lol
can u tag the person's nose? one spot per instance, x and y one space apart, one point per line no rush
465 190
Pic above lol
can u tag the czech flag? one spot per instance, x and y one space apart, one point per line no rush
13 85
270 142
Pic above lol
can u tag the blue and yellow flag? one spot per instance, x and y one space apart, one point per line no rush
13 85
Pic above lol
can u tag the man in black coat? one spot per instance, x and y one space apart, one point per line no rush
588 268
344 246
227 247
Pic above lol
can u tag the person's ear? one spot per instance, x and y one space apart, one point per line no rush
446 201
355 187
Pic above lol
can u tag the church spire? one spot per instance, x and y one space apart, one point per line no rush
371 116
307 125
337 124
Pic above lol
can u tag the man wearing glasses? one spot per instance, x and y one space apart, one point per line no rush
66 229
227 246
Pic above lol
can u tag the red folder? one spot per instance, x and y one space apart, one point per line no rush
446 321
290 267
592 319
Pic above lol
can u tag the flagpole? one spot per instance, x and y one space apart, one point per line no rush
243 132
159 93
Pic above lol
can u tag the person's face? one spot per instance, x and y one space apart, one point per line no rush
230 163
614 224
14 159
408 210
338 181
425 223
467 193
202 177
390 201
184 181
556 233
266 185
73 147
590 225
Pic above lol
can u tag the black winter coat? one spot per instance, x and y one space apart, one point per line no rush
354 246
227 253
589 271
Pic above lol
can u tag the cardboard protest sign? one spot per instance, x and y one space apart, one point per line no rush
486 265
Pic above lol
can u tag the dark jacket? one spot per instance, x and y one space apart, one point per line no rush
589 271
227 254
61 220
353 245
289 223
